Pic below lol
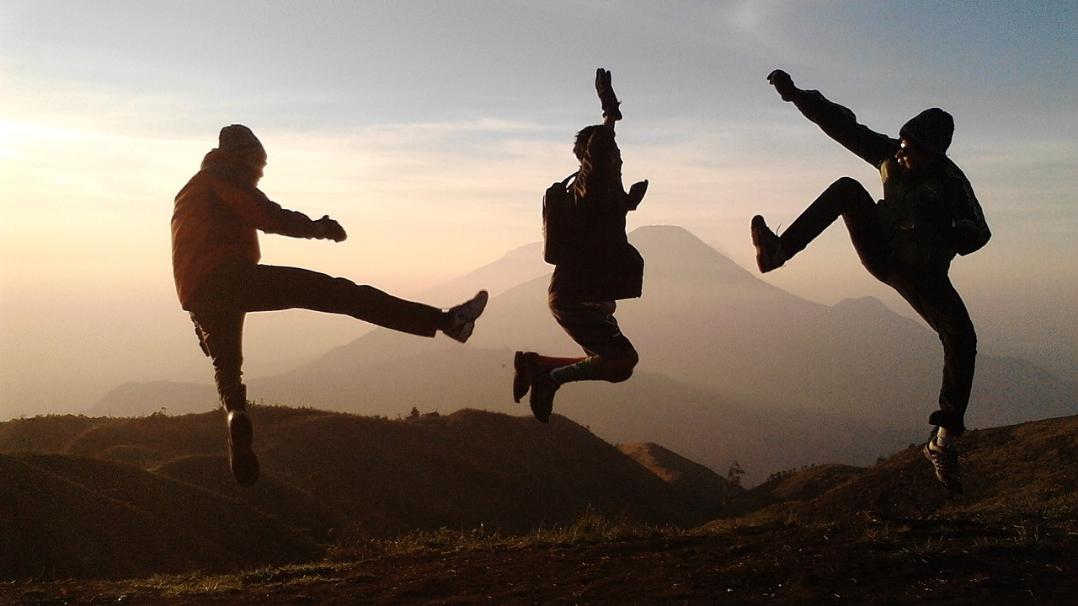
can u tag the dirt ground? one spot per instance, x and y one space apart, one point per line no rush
868 561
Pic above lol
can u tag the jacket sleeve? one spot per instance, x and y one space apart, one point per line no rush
841 124
258 211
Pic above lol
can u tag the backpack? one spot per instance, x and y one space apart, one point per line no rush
970 234
558 237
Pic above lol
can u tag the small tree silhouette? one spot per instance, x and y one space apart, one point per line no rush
735 473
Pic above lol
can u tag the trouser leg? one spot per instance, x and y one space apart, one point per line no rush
935 299
269 287
848 199
221 334
611 356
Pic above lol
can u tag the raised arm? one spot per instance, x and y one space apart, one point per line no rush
836 121
251 205
605 90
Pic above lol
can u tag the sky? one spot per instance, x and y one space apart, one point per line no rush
431 129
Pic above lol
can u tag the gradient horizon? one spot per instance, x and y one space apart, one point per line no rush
430 130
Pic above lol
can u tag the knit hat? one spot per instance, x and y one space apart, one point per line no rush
931 129
239 138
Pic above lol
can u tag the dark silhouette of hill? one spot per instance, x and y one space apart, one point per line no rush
793 485
883 535
78 511
693 481
74 516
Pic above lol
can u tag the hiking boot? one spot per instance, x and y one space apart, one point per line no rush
945 463
524 363
769 253
461 318
543 390
241 457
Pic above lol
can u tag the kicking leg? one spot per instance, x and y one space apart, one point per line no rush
269 287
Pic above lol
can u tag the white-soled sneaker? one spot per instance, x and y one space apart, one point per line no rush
462 317
944 461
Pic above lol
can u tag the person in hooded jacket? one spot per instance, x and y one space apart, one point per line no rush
594 267
907 240
215 261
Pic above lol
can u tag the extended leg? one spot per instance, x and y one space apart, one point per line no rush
269 287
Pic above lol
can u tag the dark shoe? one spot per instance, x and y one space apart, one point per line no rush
769 253
462 317
241 457
945 463
543 390
524 364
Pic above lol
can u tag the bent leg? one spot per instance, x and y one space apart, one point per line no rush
269 288
611 356
848 199
935 299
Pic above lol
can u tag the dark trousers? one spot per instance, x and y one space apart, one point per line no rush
929 292
231 292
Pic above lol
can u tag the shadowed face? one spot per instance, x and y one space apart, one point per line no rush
911 158
257 162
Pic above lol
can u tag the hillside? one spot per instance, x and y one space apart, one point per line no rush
882 535
163 482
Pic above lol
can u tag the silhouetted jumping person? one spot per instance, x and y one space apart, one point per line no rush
907 240
215 261
584 227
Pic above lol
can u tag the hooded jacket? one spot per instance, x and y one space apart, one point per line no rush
927 217
215 222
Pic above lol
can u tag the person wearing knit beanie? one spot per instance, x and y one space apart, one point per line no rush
215 263
907 240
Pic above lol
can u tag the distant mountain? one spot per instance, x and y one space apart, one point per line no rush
752 372
138 399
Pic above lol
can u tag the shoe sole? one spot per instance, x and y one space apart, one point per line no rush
521 376
241 456
755 228
542 414
472 310
952 486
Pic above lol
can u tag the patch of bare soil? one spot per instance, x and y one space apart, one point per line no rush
868 560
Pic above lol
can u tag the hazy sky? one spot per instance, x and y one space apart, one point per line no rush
430 130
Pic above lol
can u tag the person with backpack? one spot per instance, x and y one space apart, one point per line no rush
594 265
907 240
215 262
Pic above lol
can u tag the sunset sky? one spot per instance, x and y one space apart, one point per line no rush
430 130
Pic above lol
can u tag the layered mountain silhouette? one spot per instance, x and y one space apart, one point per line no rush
731 367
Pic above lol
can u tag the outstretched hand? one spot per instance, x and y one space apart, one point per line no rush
783 84
605 90
330 229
